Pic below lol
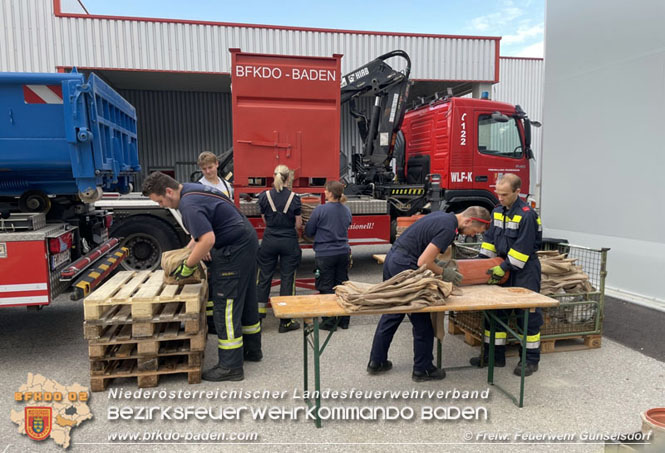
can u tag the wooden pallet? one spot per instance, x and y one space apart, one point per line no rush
547 345
121 315
470 338
571 343
149 378
130 350
108 366
122 335
379 257
145 293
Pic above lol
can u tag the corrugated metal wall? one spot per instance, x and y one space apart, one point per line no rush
175 126
522 83
350 137
34 40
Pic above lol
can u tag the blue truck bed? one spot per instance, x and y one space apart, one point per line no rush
63 135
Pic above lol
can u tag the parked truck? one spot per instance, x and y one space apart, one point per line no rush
63 140
444 153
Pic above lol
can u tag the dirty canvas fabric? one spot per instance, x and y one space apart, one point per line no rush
410 289
561 275
172 259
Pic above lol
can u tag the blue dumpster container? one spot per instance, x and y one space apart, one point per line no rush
63 135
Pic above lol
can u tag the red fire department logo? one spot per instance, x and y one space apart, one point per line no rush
38 422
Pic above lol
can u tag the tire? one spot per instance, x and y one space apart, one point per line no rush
146 237
393 231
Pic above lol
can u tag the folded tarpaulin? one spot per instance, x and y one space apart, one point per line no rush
410 289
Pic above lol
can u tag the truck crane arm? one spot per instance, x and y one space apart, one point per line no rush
378 131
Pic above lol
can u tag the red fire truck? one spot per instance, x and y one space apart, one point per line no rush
444 153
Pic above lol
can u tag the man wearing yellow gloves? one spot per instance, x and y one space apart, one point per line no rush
219 231
515 235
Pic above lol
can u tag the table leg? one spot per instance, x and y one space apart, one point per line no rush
438 353
490 364
523 343
317 372
305 352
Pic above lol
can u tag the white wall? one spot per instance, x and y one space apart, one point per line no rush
521 83
604 136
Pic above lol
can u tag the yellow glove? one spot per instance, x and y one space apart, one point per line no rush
183 271
496 274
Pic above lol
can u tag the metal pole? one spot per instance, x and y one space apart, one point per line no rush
317 373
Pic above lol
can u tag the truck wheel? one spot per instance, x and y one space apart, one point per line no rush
34 201
146 238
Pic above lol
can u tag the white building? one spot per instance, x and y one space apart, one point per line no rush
604 159
176 72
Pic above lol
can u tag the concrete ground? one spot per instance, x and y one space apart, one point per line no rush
575 395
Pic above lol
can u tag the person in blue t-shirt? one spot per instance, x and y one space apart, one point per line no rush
222 234
419 245
329 226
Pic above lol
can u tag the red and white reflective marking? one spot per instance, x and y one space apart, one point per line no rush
27 293
42 94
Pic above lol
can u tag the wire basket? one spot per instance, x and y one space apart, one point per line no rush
579 312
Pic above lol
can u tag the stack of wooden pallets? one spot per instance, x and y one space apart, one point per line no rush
138 327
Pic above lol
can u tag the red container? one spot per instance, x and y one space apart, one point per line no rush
406 222
656 416
286 110
475 271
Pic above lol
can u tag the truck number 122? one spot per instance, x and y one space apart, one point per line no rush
462 137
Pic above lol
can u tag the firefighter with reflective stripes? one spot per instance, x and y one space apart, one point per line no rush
225 236
515 235
281 212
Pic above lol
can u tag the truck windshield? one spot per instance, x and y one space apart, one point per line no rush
499 139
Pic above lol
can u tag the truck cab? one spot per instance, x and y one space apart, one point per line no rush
470 143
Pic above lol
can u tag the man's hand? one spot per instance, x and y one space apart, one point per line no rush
496 274
183 271
451 275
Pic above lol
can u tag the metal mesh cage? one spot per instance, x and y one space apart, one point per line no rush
579 312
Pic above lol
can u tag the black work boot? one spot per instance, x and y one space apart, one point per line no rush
328 324
528 370
252 356
498 363
434 374
219 373
287 325
378 368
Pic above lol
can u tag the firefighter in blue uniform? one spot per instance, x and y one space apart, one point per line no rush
515 235
220 232
281 212
419 245
329 227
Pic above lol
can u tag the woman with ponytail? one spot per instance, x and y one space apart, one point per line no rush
280 209
329 226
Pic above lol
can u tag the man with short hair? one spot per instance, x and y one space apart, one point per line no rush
218 229
515 235
209 164
419 245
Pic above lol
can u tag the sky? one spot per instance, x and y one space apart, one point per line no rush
519 23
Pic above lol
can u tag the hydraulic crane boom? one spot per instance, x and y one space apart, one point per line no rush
390 89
